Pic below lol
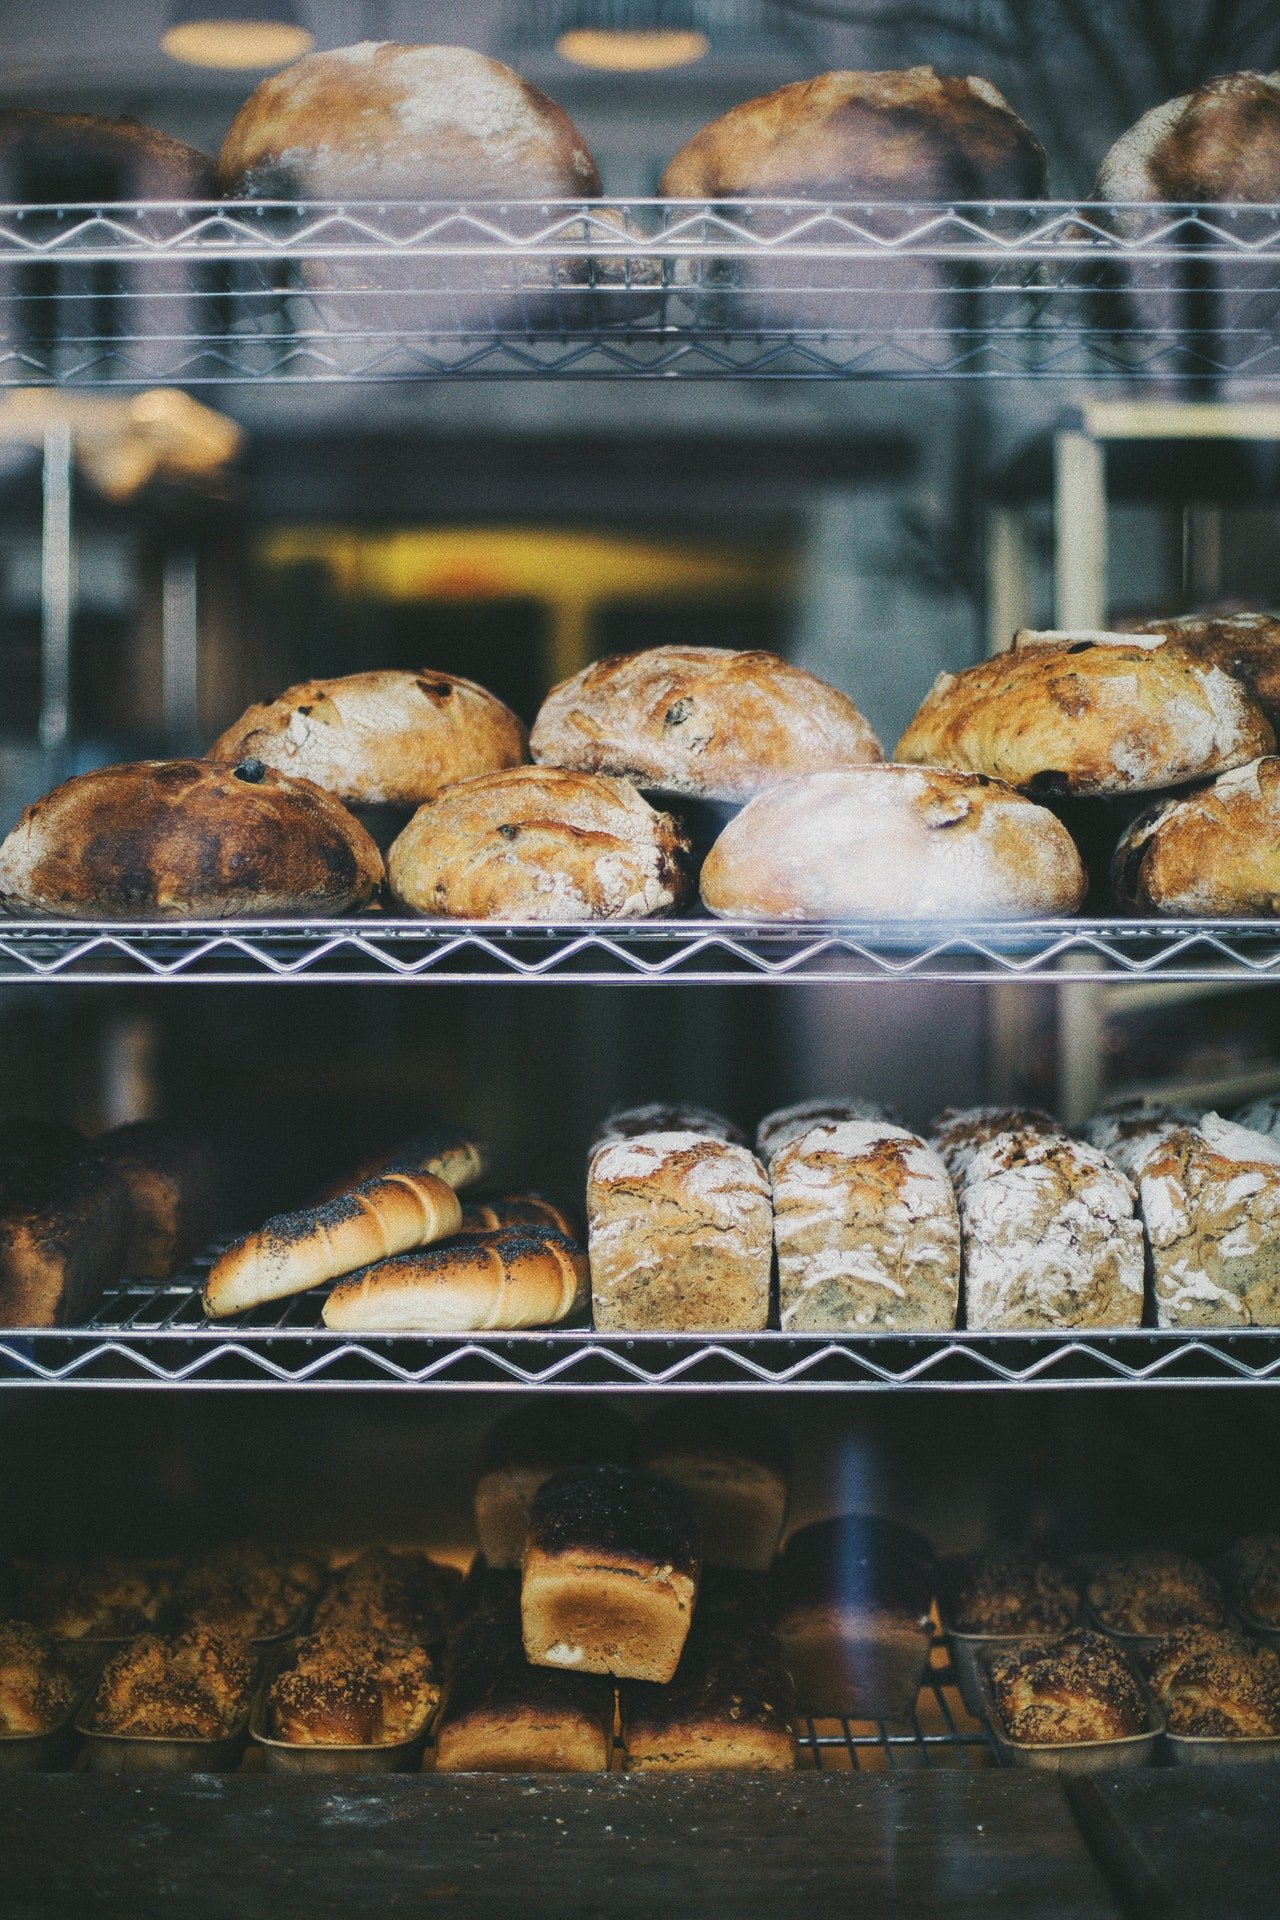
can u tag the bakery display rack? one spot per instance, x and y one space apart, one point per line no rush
211 293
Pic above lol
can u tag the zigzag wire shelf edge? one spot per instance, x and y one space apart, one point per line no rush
675 952
210 293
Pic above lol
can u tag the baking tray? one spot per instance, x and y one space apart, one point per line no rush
286 1756
967 1650
1092 1756
153 1753
1258 1630
1207 1750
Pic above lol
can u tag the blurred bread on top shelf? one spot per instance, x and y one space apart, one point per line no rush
1218 143
82 158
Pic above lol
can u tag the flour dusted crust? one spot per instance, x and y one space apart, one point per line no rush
1221 142
1088 714
785 1124
958 1132
1127 1129
1245 645
702 721
866 1230
680 1235
386 738
899 135
1051 1237
1215 852
1210 1198
664 1116
893 843
538 843
185 840
383 121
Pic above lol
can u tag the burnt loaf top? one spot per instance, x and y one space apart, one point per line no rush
617 1513
731 1669
859 1563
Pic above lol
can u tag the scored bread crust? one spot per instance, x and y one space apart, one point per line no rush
1210 1199
957 1133
1083 717
1245 645
701 721
1215 852
386 1215
540 843
183 839
381 120
897 135
511 1277
1220 143
379 739
892 842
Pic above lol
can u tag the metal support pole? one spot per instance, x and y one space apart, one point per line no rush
180 647
1079 532
57 588
1009 603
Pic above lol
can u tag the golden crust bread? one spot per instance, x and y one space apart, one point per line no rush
1214 1684
192 1687
37 1685
1210 1199
384 739
1221 142
81 156
383 121
1154 1592
540 843
892 843
64 1227
1067 1692
185 840
1245 645
1088 715
1213 853
908 135
520 1209
517 1276
702 721
353 1689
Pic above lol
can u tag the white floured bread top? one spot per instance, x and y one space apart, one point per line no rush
717 1173
785 1124
1210 1199
958 1132
1127 1131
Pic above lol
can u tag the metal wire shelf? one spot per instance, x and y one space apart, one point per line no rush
266 291
701 952
144 1335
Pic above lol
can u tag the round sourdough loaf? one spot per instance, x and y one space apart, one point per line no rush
1215 852
379 739
702 721
538 843
80 157
1086 714
184 840
382 121
892 843
1221 142
1245 645
908 135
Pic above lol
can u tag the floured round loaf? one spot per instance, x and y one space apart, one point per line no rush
867 1232
1245 645
958 1133
1210 1199
1221 142
892 843
1088 713
379 739
185 840
785 1124
380 121
1215 852
74 157
900 135
539 843
1051 1236
702 721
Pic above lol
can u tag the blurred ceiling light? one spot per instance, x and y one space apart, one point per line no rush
235 34
631 36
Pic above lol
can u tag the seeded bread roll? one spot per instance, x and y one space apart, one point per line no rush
527 1448
389 1214
680 1232
1067 1692
1251 1569
172 1181
78 157
1210 1199
185 840
1215 852
959 1133
851 1604
907 135
1221 142
700 721
736 1470
1245 645
1086 713
520 1276
1050 1236
379 121
521 1210
64 1227
610 1573
1126 1130
785 1124
1214 1684
1005 1590
1153 1591
866 1230
897 843
537 843
389 739
659 1116
502 1715
730 1705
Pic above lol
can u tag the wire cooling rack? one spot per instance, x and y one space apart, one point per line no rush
268 291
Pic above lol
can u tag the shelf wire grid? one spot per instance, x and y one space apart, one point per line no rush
270 291
378 948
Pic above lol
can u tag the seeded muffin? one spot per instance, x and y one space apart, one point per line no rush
1067 1692
1006 1589
1215 1684
1154 1592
